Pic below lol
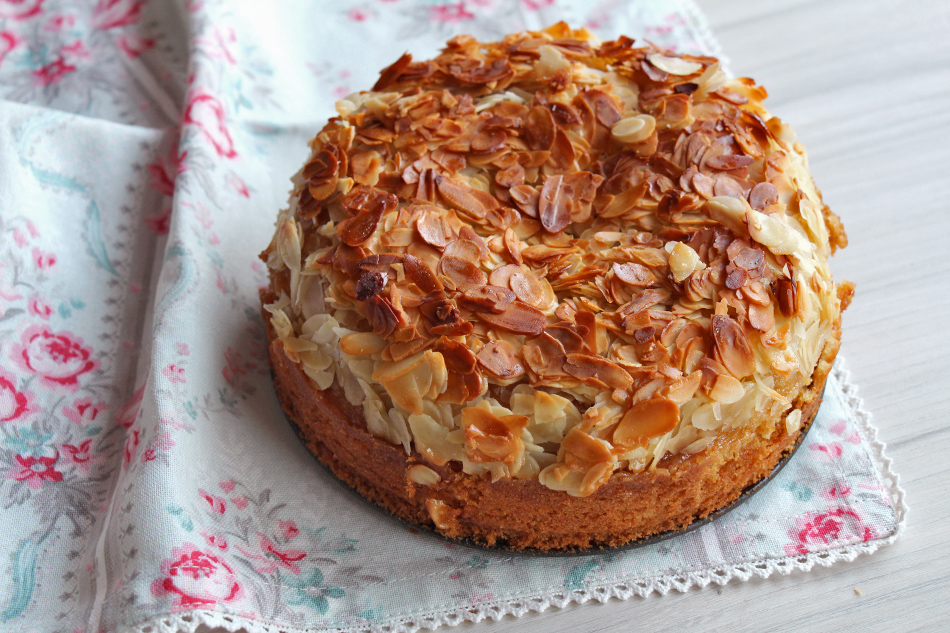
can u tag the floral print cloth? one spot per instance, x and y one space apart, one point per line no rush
147 475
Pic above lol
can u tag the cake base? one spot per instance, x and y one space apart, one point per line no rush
524 514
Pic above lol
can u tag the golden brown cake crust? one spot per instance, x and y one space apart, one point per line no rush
523 514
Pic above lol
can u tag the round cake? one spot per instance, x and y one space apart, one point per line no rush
553 293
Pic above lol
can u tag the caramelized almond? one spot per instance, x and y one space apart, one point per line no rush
644 421
634 274
732 346
420 274
490 298
498 359
458 358
463 274
519 318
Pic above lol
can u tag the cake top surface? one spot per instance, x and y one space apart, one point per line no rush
556 257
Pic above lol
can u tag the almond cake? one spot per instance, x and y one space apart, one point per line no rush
553 293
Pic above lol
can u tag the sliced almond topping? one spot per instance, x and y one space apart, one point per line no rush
682 389
761 318
458 358
633 129
786 296
763 195
728 162
674 65
462 273
490 298
322 175
420 274
519 318
422 475
585 447
362 344
587 366
634 274
429 227
554 205
726 390
498 359
644 421
513 245
470 201
732 346
489 141
539 129
528 288
684 261
489 438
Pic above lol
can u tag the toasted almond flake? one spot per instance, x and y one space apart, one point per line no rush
646 420
732 346
554 205
634 274
674 65
462 273
528 288
684 261
518 317
731 212
726 390
443 515
422 475
362 344
585 447
633 129
429 227
498 359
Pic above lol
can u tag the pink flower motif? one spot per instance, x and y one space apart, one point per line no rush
83 411
19 238
239 501
8 41
159 224
218 504
80 455
60 23
52 72
207 113
827 452
358 15
133 45
196 578
827 528
32 229
164 170
161 442
43 261
227 486
20 9
130 411
58 359
238 185
132 443
215 540
174 373
38 307
15 405
451 13
182 348
271 557
77 50
35 470
534 5
110 14
288 529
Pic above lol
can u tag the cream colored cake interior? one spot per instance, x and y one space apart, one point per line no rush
663 320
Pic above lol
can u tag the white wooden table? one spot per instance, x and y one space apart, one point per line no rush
866 84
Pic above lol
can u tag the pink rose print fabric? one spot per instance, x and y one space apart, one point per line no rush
148 477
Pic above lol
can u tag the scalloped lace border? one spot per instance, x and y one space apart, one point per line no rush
190 621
